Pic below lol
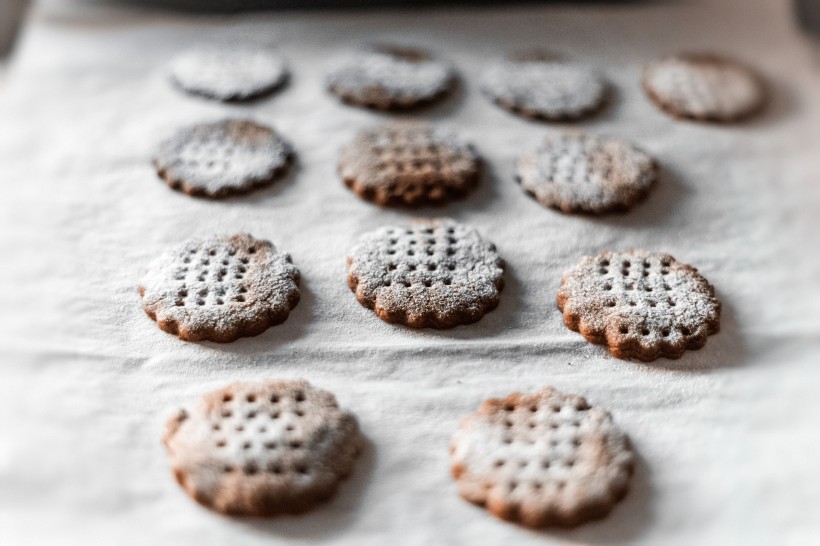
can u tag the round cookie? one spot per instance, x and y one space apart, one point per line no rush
639 304
435 274
228 74
402 163
703 87
541 88
220 289
578 172
542 459
261 449
222 158
389 78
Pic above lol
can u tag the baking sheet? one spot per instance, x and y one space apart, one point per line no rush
726 436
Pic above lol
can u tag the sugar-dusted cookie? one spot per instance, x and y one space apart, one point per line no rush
389 78
541 87
542 459
228 73
260 449
640 304
436 274
220 289
222 158
703 87
403 163
579 172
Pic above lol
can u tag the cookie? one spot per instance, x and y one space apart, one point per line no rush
220 289
640 304
222 158
429 274
703 87
404 163
579 172
228 74
542 88
542 459
261 449
389 78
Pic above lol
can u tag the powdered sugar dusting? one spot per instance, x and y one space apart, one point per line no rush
551 456
552 90
235 73
581 172
429 274
221 158
220 288
641 304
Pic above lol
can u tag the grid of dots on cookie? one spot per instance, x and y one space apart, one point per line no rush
570 161
421 255
413 151
213 276
249 427
208 152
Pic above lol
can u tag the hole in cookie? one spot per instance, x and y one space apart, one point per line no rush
251 398
498 463
664 272
300 413
411 267
610 304
667 287
242 290
509 407
623 330
227 468
289 427
179 303
570 463
252 250
607 287
407 284
295 444
227 397
274 398
300 396
262 430
451 251
685 331
240 428
632 304
644 332
251 414
512 485
270 445
302 469
227 413
274 468
603 271
246 445
221 443
387 282
411 253
627 264
239 298
216 426
219 301
671 303
648 288
651 303
251 469
605 263
391 251
666 262
451 267
391 267
447 281
665 332
508 423
427 283
274 415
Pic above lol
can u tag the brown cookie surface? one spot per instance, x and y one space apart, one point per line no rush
403 163
640 304
228 73
541 459
220 289
431 274
579 172
260 449
703 87
389 78
539 87
222 158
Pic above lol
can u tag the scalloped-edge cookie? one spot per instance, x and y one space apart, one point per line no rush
640 304
220 289
261 449
543 459
428 274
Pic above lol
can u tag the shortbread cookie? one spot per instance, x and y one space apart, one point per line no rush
640 304
222 158
408 164
436 274
578 172
703 87
538 87
543 459
260 449
220 289
389 78
228 73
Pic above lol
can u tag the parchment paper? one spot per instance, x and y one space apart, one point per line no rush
727 436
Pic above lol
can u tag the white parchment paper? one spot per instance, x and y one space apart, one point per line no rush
727 436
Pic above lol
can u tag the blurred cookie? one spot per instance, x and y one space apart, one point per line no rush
639 304
579 172
220 289
403 163
222 158
430 274
542 459
537 86
389 78
703 87
228 73
260 449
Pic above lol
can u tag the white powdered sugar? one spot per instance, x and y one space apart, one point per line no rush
641 304
544 89
429 274
220 288
575 171
222 158
228 73
703 87
543 459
